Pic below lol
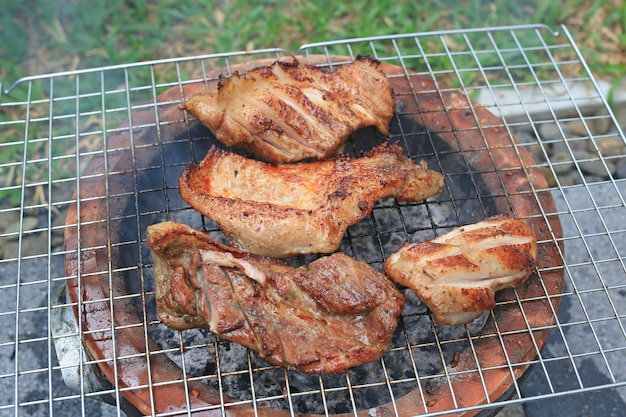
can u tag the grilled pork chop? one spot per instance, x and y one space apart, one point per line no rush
291 209
288 112
328 316
458 273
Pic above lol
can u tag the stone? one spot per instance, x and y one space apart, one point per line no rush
578 144
591 164
560 147
589 178
9 218
551 131
536 151
620 115
569 179
513 410
607 146
28 223
532 145
524 136
549 176
57 243
58 224
562 163
620 168
601 123
577 127
32 245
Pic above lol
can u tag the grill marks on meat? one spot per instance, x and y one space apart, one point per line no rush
290 209
331 315
288 112
458 273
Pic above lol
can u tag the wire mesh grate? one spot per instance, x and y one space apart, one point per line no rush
114 137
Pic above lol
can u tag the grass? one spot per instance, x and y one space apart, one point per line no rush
42 36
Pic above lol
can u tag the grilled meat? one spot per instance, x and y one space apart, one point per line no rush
457 274
290 209
288 112
328 316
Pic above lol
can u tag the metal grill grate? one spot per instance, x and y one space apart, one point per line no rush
114 136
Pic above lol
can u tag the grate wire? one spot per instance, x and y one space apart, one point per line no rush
54 126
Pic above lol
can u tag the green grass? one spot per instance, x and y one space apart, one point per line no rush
43 36
40 36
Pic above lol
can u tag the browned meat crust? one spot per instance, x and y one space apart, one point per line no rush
288 112
457 274
290 209
328 316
